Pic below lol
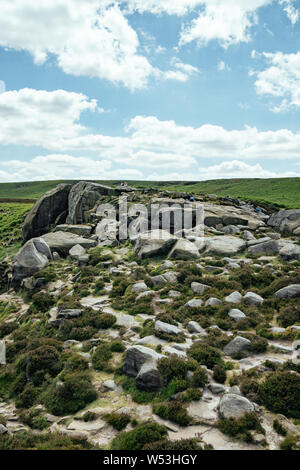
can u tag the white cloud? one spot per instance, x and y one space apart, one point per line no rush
181 71
62 166
157 7
88 37
293 13
223 67
281 79
52 120
2 86
38 117
229 22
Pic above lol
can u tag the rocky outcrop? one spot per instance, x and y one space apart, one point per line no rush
46 211
141 363
230 215
31 258
62 242
82 198
154 243
82 230
286 221
290 252
224 245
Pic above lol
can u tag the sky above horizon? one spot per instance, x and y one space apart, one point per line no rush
149 89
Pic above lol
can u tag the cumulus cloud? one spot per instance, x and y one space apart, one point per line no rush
222 66
229 22
281 78
88 37
62 166
37 117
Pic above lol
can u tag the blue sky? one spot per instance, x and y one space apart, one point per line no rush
149 89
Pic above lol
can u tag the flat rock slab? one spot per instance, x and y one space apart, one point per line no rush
62 242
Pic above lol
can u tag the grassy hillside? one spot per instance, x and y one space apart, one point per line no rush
12 216
284 192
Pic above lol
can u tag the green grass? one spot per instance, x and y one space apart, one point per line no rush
285 192
11 219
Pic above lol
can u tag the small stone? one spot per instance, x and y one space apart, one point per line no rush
234 298
198 288
236 314
194 303
253 299
213 302
139 287
167 328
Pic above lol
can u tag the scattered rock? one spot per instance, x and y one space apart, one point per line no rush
62 242
234 406
167 328
253 299
291 291
184 249
76 252
225 245
267 248
237 345
198 288
194 303
234 298
236 314
213 302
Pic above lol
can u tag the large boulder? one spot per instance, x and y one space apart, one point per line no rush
251 298
224 245
237 345
141 363
290 252
30 259
184 249
62 242
51 207
234 406
82 198
229 215
292 291
286 221
154 243
267 248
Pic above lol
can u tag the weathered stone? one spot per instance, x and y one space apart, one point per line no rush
290 252
184 249
213 302
194 327
2 353
237 345
292 291
198 288
236 314
194 303
253 299
3 429
167 328
139 287
31 258
46 211
248 236
224 245
141 363
82 198
62 242
82 230
234 406
216 389
76 251
286 221
234 298
154 243
267 248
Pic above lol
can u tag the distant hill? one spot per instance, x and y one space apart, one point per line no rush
284 192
